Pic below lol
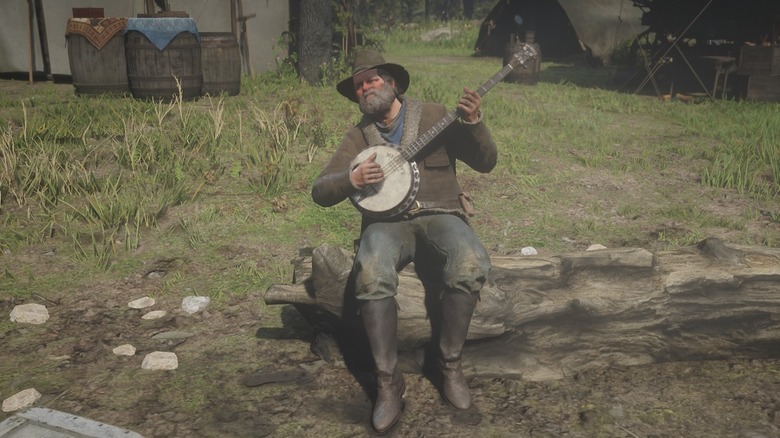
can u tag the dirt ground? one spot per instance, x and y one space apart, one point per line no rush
305 396
263 378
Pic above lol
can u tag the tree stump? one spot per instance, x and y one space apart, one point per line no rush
543 318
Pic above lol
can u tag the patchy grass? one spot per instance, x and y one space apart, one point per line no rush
97 192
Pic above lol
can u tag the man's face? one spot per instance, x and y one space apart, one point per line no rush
375 95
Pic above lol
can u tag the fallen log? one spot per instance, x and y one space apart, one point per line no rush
543 318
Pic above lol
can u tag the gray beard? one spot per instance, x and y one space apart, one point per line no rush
376 103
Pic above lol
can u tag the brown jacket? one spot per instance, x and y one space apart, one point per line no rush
471 144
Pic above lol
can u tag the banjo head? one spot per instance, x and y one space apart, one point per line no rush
396 192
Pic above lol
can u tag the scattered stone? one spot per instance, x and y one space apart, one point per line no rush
442 33
62 357
176 334
194 304
596 246
30 314
124 350
617 411
154 314
156 274
141 303
312 367
160 360
21 400
528 250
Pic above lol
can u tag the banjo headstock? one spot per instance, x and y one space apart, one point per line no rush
522 56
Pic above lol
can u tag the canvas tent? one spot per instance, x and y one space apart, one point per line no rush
268 22
718 47
561 27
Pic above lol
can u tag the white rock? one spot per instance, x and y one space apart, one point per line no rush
528 250
596 246
21 400
443 33
30 314
154 314
194 304
141 303
160 360
124 350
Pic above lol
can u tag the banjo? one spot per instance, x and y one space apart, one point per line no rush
397 191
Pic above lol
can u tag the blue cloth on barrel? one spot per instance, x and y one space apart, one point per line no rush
161 31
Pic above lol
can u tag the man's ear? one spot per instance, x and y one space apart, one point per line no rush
393 86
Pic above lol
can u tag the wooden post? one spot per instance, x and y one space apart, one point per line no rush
42 35
244 39
31 38
233 18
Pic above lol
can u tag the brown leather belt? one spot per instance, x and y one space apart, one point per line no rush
422 205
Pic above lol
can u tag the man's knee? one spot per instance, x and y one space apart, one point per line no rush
468 272
373 283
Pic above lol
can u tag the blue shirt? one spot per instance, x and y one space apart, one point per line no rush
393 132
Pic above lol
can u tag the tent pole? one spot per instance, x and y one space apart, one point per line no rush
674 45
42 36
233 17
30 39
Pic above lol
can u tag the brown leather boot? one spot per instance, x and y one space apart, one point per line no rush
457 309
380 318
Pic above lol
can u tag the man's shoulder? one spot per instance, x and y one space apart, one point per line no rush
427 105
432 108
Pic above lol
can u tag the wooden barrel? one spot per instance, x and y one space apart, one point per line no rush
530 74
98 71
220 61
153 73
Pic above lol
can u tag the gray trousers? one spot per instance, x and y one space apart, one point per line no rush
444 239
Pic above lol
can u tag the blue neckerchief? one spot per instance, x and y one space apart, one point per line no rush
393 132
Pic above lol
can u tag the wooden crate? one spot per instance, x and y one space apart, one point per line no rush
759 60
763 88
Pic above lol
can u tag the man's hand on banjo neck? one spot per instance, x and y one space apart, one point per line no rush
468 106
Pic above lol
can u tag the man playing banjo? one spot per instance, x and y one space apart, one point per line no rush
425 219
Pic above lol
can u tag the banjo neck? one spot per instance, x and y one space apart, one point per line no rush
410 151
396 193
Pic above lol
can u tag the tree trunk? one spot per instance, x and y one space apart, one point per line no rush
315 33
468 9
543 318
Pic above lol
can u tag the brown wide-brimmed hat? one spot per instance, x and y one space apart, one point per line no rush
369 59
